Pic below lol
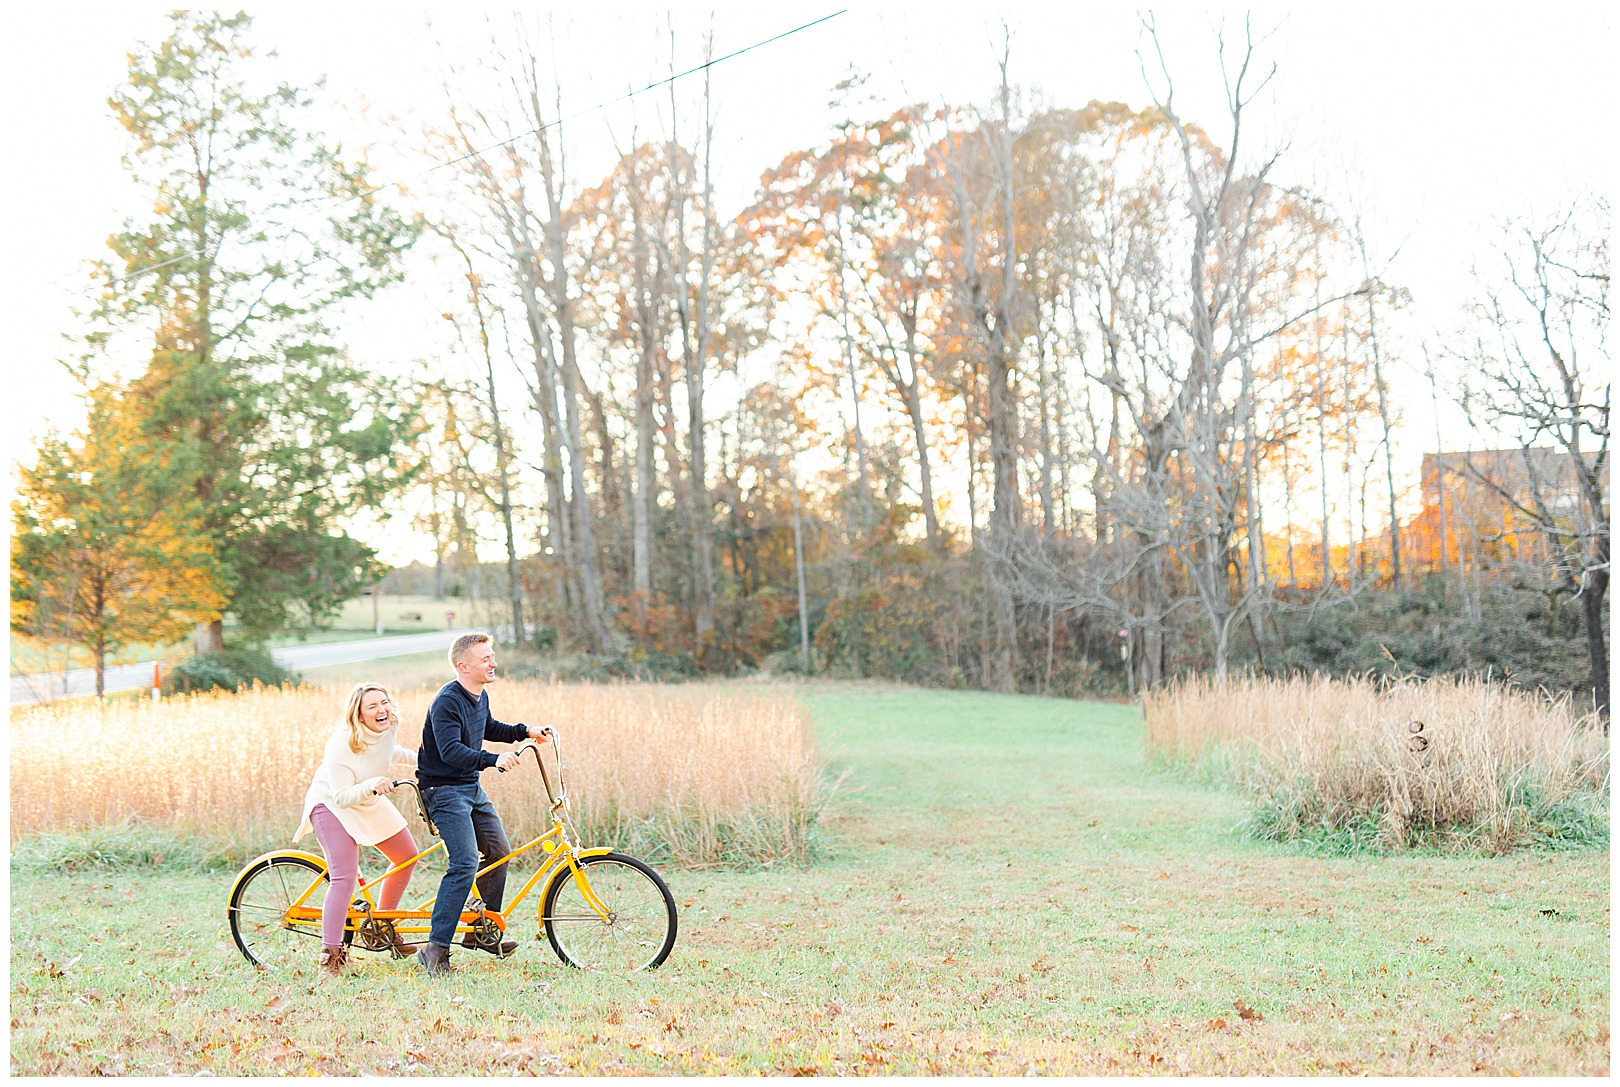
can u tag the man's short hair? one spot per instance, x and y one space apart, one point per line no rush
459 647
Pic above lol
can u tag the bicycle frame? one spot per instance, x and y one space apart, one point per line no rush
563 857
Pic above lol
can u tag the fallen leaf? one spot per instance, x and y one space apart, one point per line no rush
1245 1011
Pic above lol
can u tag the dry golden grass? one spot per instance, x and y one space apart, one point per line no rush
1487 767
694 775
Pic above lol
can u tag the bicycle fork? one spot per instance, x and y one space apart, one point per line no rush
586 892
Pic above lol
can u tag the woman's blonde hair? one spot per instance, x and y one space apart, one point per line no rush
351 714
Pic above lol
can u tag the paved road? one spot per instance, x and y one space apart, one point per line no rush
79 682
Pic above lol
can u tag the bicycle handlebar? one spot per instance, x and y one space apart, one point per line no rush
557 799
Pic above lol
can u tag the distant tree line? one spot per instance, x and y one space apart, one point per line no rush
1004 396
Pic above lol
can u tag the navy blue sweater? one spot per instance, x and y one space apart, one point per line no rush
453 737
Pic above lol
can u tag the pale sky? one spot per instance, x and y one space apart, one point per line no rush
1439 119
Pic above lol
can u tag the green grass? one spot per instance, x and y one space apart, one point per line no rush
397 673
399 615
430 669
1012 889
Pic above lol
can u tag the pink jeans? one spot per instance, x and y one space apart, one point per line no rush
343 869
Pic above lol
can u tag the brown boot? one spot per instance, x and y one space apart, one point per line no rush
500 949
402 949
435 959
333 959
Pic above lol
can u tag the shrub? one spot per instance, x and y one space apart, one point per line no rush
1338 763
1520 637
228 669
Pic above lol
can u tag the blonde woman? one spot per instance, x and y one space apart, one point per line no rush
345 808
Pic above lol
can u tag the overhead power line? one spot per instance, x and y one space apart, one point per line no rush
137 273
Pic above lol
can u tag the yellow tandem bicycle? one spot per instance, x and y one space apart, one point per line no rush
600 909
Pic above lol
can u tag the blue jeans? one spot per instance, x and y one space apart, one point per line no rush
469 826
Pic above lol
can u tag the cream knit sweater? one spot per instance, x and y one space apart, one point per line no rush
345 780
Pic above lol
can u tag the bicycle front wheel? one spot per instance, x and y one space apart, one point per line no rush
639 930
260 924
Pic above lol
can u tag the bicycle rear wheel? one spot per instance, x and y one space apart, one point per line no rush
258 913
639 930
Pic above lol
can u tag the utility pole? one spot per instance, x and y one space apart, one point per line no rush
798 562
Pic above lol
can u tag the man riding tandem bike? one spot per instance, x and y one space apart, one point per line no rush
600 909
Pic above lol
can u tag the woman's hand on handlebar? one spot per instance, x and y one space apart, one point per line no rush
383 787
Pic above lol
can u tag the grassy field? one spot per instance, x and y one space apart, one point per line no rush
399 615
396 673
1013 890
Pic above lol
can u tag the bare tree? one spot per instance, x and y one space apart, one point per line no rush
1224 206
977 169
688 264
503 479
536 241
1539 368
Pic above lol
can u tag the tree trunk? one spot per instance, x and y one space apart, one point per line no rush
1044 400
1325 575
1000 423
1389 453
913 401
584 535
924 470
1596 636
514 584
555 227
1288 509
702 529
641 495
545 372
1222 629
210 636
798 565
849 365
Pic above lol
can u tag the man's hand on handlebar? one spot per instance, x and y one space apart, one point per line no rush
507 760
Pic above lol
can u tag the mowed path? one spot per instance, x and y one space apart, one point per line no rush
1013 889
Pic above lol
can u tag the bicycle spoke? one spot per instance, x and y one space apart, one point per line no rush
637 933
258 912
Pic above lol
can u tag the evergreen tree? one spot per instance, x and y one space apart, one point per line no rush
258 229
